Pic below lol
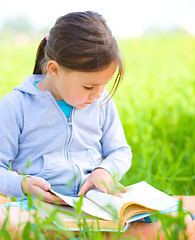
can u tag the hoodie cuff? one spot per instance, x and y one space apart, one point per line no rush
16 188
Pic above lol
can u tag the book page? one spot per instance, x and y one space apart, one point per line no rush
140 193
109 202
144 194
132 210
88 206
138 217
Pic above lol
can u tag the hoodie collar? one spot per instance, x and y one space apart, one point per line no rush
28 85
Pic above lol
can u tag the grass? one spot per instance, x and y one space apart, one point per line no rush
155 102
156 105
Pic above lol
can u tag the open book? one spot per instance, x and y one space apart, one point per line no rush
140 201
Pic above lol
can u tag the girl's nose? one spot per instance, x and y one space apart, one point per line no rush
97 92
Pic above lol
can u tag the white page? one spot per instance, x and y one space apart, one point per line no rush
109 202
146 195
88 206
141 193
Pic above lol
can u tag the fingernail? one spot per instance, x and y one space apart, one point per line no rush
46 187
79 194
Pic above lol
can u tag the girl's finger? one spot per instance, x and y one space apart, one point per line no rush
54 199
86 186
116 189
42 183
37 192
46 195
122 188
102 188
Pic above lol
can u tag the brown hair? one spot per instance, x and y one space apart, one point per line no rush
80 41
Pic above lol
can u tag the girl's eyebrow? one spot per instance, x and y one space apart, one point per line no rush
93 84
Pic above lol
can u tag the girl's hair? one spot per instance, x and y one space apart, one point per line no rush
80 41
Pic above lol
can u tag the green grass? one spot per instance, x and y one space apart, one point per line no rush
156 103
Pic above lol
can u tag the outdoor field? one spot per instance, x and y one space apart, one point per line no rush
156 104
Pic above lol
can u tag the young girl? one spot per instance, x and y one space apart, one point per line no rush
60 128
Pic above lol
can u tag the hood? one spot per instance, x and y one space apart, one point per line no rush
27 86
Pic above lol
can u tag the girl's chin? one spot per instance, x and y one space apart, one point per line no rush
81 106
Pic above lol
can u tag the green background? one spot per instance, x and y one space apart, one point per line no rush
156 104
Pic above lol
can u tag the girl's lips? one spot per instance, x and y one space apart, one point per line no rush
88 102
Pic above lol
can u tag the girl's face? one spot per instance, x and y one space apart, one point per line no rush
79 89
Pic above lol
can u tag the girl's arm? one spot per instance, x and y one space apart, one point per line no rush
10 130
115 151
12 183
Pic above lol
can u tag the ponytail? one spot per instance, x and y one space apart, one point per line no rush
40 57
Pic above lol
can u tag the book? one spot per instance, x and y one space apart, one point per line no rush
107 212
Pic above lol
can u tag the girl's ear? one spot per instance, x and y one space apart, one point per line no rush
53 68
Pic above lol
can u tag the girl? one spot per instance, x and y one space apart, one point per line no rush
60 128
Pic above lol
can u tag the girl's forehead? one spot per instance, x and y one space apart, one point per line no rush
99 77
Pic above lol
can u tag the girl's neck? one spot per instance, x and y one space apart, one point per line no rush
48 84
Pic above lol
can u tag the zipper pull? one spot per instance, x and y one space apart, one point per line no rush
69 121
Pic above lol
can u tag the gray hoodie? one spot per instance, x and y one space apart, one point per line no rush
37 139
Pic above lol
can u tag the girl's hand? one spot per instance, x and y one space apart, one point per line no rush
39 187
102 179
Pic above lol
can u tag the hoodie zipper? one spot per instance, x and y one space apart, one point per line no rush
69 120
76 169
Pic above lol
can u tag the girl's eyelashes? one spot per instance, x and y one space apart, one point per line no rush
89 88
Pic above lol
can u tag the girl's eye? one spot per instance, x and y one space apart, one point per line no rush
88 87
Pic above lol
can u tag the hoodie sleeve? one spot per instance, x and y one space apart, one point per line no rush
116 152
10 129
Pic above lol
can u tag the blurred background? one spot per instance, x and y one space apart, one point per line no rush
156 100
126 18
